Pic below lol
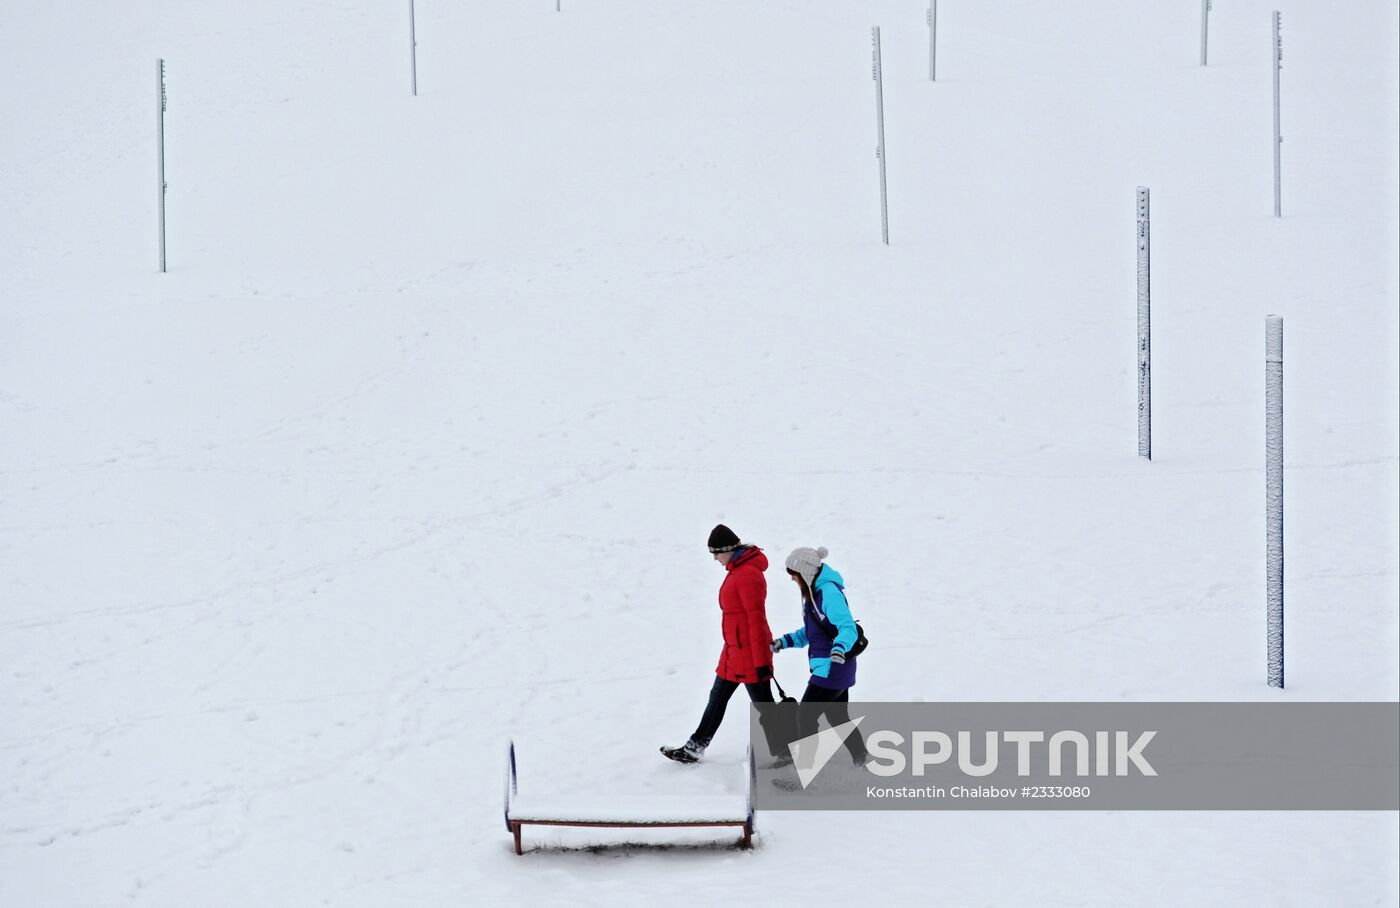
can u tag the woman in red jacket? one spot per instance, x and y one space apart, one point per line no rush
747 657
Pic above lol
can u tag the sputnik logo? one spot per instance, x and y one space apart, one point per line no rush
811 754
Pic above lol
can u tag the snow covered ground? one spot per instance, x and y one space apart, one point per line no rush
415 447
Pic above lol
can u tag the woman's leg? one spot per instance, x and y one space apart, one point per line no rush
768 720
714 711
837 713
807 715
855 741
760 691
817 694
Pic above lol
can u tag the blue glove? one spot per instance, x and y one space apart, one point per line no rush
838 657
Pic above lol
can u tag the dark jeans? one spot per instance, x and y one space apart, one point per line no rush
759 692
837 713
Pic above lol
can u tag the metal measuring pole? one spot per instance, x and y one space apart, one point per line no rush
878 74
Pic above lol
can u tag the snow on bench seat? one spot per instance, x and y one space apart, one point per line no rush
629 811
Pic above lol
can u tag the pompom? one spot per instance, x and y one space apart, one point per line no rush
822 552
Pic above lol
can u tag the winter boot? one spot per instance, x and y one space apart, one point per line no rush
689 752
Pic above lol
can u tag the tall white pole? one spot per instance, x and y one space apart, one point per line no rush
160 153
878 74
1273 482
1205 28
413 46
932 40
1144 321
1278 134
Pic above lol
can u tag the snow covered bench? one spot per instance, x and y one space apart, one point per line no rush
622 812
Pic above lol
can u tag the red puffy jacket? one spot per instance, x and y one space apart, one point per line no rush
746 657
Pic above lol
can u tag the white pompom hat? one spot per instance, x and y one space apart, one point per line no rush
806 563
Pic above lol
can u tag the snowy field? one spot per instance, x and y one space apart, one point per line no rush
416 446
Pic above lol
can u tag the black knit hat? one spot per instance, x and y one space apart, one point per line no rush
722 539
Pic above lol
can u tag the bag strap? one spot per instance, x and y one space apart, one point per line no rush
782 694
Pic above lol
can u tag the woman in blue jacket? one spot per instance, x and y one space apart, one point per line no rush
828 632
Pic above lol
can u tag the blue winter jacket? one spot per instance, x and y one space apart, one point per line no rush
827 625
